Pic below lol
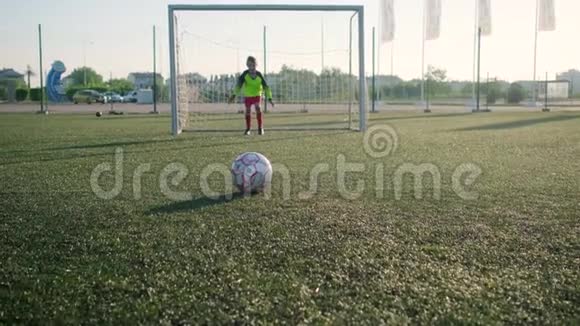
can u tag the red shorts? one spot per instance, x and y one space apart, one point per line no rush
249 101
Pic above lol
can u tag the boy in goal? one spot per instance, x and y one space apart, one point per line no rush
254 85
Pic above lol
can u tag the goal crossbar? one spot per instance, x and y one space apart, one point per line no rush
357 9
264 7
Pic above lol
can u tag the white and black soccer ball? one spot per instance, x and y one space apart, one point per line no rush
251 172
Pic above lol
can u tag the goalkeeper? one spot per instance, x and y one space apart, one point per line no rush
254 85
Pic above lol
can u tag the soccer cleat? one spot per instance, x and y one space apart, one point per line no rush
247 132
261 131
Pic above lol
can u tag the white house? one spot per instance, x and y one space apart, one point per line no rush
9 80
143 80
573 76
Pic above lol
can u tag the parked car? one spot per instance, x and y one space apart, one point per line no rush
130 97
89 96
113 97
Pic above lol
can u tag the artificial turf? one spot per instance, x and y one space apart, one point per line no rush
510 256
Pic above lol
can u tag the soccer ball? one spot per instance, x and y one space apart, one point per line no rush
251 172
99 114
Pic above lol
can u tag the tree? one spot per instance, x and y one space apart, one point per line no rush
492 91
159 89
121 86
385 91
35 94
80 75
412 89
516 93
29 73
467 89
437 81
21 94
297 86
165 97
436 74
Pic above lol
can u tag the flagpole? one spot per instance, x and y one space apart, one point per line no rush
380 39
534 89
380 45
264 35
373 75
322 42
154 72
423 53
478 69
392 58
546 109
475 29
42 108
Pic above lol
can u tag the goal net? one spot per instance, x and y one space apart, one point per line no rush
553 89
312 58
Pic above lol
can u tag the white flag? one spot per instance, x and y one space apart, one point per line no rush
387 20
433 19
547 19
485 16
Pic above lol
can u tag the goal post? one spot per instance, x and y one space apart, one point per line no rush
553 89
552 93
190 90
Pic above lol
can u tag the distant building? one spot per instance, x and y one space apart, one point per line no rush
143 80
573 76
10 74
9 81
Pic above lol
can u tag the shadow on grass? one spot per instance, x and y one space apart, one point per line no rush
173 140
196 204
519 123
407 116
313 125
232 116
94 146
281 127
244 141
112 144
338 124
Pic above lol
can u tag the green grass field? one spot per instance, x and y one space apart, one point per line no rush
510 256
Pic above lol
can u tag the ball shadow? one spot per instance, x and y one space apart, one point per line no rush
197 204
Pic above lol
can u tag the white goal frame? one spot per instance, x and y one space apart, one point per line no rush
543 89
357 9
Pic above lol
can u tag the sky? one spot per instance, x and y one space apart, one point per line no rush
115 38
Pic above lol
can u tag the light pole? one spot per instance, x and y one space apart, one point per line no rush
42 108
265 61
322 43
535 88
85 61
154 72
